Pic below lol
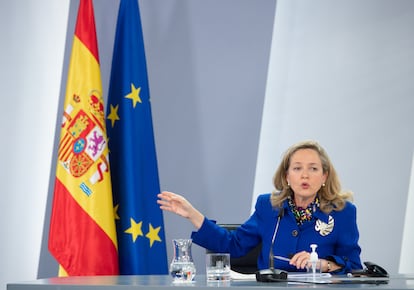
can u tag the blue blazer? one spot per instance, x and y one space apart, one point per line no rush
336 235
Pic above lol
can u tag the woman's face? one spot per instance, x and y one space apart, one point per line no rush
305 175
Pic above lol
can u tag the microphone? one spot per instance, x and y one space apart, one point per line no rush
272 274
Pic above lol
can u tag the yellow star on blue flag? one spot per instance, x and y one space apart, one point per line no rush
152 235
135 230
134 95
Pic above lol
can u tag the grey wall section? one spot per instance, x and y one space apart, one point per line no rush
208 68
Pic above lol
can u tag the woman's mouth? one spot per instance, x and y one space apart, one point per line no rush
305 185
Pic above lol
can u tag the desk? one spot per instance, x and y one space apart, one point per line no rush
164 282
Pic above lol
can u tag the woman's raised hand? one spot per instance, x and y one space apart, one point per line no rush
177 204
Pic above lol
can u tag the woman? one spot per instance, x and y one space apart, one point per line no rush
306 208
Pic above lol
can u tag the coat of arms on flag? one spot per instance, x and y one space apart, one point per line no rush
84 142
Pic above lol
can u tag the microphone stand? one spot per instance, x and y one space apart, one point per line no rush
272 274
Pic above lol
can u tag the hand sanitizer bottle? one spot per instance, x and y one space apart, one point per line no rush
313 259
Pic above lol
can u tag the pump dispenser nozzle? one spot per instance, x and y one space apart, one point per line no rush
314 255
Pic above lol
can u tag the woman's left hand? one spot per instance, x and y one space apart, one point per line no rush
300 260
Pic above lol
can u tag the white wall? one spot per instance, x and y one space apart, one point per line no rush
407 250
31 56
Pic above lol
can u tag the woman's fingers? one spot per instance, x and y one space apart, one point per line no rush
173 203
300 260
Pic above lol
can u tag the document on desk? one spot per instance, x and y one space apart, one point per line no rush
300 278
293 276
318 278
326 278
236 276
302 275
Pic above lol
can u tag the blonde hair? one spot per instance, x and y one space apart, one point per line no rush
330 196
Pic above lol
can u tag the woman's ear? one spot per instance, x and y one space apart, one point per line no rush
324 178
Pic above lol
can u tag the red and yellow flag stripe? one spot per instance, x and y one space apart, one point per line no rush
82 235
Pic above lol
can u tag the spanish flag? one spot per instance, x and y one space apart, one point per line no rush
82 235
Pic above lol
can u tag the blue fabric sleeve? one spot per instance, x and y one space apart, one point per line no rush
348 251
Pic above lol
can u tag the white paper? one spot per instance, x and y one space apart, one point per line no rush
239 276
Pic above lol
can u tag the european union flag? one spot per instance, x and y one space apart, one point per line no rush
133 161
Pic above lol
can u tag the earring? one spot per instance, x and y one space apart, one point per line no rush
323 184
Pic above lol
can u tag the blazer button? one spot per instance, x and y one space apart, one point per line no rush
294 233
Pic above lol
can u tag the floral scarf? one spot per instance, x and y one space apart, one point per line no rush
303 214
